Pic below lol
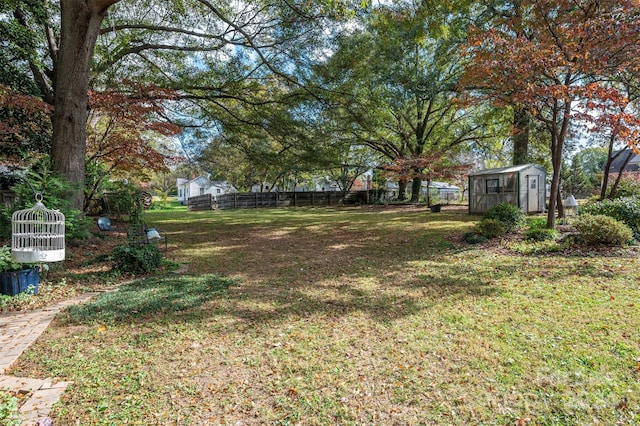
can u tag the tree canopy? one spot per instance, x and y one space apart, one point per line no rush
273 91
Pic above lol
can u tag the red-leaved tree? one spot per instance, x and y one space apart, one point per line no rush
25 127
556 59
124 134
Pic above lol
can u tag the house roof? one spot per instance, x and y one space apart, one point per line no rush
201 181
509 169
632 166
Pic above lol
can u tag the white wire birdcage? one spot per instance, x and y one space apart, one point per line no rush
37 234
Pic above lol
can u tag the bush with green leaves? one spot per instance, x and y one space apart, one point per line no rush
121 198
509 215
625 210
491 228
536 222
474 238
628 187
136 259
601 229
540 234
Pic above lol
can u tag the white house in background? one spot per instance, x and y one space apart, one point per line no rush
327 184
264 187
200 186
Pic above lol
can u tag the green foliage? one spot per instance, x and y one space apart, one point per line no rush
625 209
474 238
628 187
509 215
536 247
6 264
540 234
601 229
151 296
9 410
584 174
536 222
491 228
57 194
120 198
136 260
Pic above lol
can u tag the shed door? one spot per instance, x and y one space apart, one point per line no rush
533 187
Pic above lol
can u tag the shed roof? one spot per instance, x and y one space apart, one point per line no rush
509 169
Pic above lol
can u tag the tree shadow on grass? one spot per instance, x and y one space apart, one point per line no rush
294 272
184 297
147 298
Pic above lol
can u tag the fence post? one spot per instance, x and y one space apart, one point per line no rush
328 198
256 200
235 200
276 203
294 198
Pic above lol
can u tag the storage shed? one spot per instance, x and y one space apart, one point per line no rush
523 186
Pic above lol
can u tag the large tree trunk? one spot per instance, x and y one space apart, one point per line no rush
402 190
416 186
521 122
79 28
558 133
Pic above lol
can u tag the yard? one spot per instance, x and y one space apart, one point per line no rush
351 316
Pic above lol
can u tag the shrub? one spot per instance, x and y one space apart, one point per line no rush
510 216
601 229
474 238
625 210
136 259
628 187
540 234
536 222
491 228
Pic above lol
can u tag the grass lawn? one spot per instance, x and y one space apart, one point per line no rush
351 316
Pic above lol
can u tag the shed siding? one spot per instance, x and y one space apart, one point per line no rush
506 185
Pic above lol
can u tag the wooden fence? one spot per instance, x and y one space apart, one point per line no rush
253 200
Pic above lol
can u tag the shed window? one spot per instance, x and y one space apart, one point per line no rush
511 183
493 186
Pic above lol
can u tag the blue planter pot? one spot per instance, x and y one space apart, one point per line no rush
16 282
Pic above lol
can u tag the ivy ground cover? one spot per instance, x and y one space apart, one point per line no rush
352 317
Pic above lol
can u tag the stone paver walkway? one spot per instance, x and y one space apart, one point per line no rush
18 330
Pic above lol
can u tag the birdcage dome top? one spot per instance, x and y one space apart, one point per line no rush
37 234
